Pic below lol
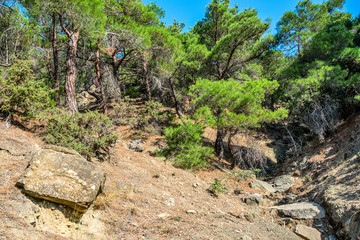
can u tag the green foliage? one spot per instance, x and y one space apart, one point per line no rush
21 93
184 145
233 105
217 187
247 174
140 118
229 39
89 133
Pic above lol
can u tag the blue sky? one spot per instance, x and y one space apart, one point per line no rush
190 11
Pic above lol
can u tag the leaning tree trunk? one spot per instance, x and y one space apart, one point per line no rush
56 61
71 72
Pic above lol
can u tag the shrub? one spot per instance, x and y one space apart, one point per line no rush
184 145
21 94
89 133
127 113
217 187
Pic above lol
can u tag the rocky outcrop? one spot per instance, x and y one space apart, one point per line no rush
61 175
306 210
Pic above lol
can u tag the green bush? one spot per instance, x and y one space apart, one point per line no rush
184 145
89 133
217 187
21 94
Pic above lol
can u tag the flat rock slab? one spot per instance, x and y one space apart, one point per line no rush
264 186
306 210
307 233
283 183
63 176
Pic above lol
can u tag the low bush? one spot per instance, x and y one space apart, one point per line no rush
184 145
88 133
21 94
217 187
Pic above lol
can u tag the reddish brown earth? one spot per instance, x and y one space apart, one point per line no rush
144 198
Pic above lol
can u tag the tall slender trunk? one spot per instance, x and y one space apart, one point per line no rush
56 61
98 80
115 66
71 71
177 108
6 50
299 44
146 81
97 64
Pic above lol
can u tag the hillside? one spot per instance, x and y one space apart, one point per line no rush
144 198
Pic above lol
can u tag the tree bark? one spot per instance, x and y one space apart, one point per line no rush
98 80
219 143
71 72
56 61
73 38
234 161
97 64
146 80
177 108
116 65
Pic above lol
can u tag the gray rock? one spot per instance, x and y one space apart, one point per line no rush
85 100
61 175
135 145
254 199
306 210
307 233
264 186
283 183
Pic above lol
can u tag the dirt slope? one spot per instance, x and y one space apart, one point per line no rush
144 198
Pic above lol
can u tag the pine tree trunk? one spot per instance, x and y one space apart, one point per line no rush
71 72
234 161
116 66
146 81
219 143
56 61
98 81
97 64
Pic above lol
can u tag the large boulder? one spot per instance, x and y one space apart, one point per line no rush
63 176
305 210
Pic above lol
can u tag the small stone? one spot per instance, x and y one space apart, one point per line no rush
253 199
307 233
163 215
191 212
283 183
170 202
135 145
264 186
196 185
